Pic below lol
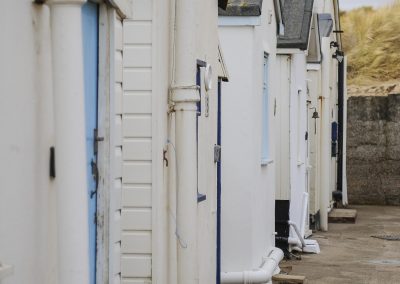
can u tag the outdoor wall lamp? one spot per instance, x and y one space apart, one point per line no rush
338 55
334 44
315 114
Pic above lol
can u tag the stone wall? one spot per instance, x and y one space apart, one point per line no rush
373 150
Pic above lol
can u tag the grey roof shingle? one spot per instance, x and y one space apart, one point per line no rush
242 8
297 15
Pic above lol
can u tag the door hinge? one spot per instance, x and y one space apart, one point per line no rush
52 162
217 153
96 140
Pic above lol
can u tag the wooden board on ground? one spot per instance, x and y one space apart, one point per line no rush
348 216
288 279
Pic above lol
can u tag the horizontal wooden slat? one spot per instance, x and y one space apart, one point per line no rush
143 10
136 281
136 173
139 103
139 150
137 79
136 219
137 56
136 266
136 196
139 242
137 32
137 127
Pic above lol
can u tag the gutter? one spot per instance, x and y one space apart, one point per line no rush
268 268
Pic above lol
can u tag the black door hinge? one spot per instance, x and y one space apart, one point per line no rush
52 162
217 153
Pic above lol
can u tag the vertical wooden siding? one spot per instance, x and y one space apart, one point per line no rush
136 146
117 188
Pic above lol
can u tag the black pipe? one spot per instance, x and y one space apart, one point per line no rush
219 188
341 81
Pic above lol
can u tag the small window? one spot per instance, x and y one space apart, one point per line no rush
265 159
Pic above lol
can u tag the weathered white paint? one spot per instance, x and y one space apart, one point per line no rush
136 146
28 54
248 187
325 135
282 141
70 149
27 196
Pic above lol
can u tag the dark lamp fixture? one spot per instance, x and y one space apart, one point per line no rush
334 44
338 55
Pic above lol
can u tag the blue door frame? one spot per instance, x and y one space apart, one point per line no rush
90 24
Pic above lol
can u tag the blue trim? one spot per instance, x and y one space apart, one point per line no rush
90 34
239 21
219 187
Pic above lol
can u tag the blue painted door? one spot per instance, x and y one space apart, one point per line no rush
90 23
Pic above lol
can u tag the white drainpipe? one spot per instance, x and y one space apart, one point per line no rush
268 268
185 95
69 115
325 133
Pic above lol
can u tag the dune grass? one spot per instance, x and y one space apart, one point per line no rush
371 40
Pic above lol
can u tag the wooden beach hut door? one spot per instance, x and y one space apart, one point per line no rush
90 23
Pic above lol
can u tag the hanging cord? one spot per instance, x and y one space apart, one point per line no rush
181 241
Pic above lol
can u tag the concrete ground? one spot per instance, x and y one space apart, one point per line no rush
349 255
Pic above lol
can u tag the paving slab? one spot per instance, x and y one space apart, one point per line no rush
349 253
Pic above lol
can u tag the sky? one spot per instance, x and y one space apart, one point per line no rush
351 4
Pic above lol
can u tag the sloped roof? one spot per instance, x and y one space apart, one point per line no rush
297 15
242 8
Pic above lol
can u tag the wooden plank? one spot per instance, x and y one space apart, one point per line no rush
347 216
288 279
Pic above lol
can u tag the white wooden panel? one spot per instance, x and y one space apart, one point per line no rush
117 256
136 266
136 173
139 150
139 242
118 40
117 226
117 279
118 130
118 99
137 103
143 10
137 127
118 162
117 194
137 79
118 66
136 219
136 281
137 32
137 56
136 196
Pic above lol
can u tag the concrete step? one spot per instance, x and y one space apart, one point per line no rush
347 216
288 279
